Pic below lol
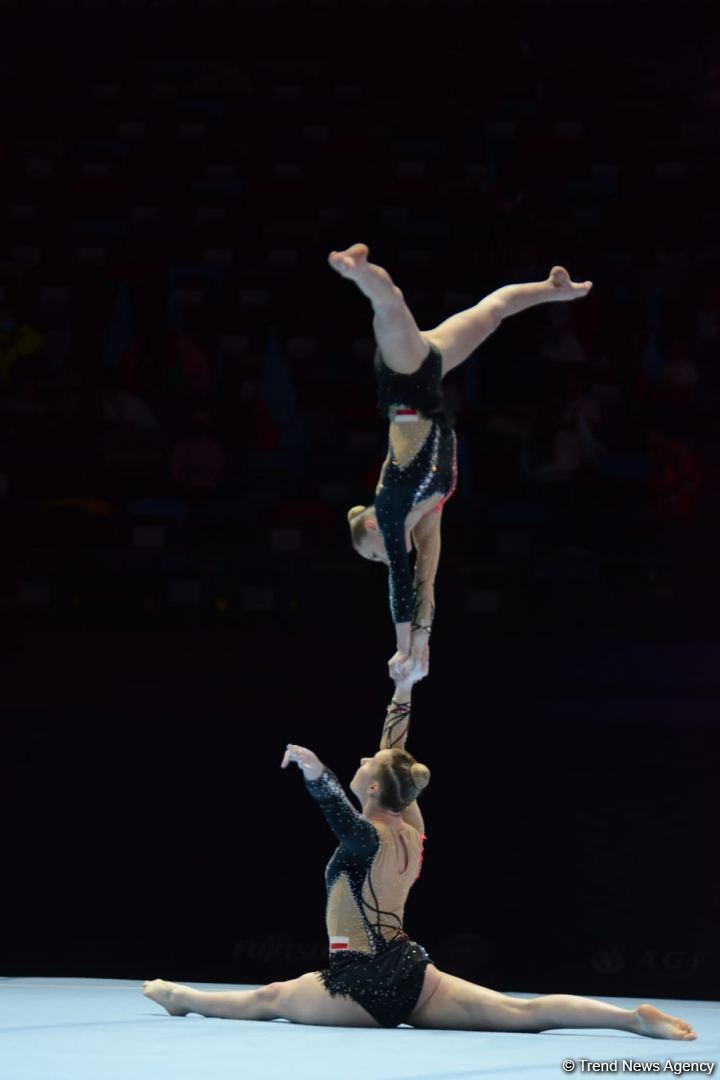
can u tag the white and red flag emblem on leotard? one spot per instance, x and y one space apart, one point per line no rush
337 944
403 415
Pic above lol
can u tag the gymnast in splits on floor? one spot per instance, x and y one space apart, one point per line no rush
376 975
419 472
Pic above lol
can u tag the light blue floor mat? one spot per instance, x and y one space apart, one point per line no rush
104 1029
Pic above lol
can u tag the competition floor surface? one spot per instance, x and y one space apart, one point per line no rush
104 1029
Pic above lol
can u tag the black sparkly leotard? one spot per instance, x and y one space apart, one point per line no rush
433 469
372 960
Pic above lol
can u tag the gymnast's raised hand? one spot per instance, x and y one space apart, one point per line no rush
308 763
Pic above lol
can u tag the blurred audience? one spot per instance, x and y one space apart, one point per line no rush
191 360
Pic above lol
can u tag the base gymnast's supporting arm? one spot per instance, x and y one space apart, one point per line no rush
395 732
397 718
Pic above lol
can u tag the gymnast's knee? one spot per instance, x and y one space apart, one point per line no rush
528 1012
268 998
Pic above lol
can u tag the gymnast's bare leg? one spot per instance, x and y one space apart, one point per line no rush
303 1001
456 1004
446 1002
404 347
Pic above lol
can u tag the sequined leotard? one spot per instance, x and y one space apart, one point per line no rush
432 470
372 960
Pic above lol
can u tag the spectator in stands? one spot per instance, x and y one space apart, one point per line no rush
16 341
198 461
674 479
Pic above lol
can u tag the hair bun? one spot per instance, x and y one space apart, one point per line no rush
420 775
354 511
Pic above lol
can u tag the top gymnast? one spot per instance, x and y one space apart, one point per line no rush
419 472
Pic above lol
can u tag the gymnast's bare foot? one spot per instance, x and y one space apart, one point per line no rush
565 289
169 995
372 280
351 262
659 1025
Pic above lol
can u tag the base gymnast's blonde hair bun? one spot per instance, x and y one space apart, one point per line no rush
420 775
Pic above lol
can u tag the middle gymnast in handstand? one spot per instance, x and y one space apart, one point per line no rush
419 472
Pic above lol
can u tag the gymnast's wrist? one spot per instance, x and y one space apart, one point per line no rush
403 693
403 637
313 782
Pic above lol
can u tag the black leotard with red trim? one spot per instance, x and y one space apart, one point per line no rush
387 976
433 470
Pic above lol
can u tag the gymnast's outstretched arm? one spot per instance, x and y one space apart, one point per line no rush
394 736
426 537
350 827
414 662
397 718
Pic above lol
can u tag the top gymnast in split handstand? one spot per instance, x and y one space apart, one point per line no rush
376 976
419 472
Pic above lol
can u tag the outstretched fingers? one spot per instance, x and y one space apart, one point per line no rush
304 759
293 755
561 280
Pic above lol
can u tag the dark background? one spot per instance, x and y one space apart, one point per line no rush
187 412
